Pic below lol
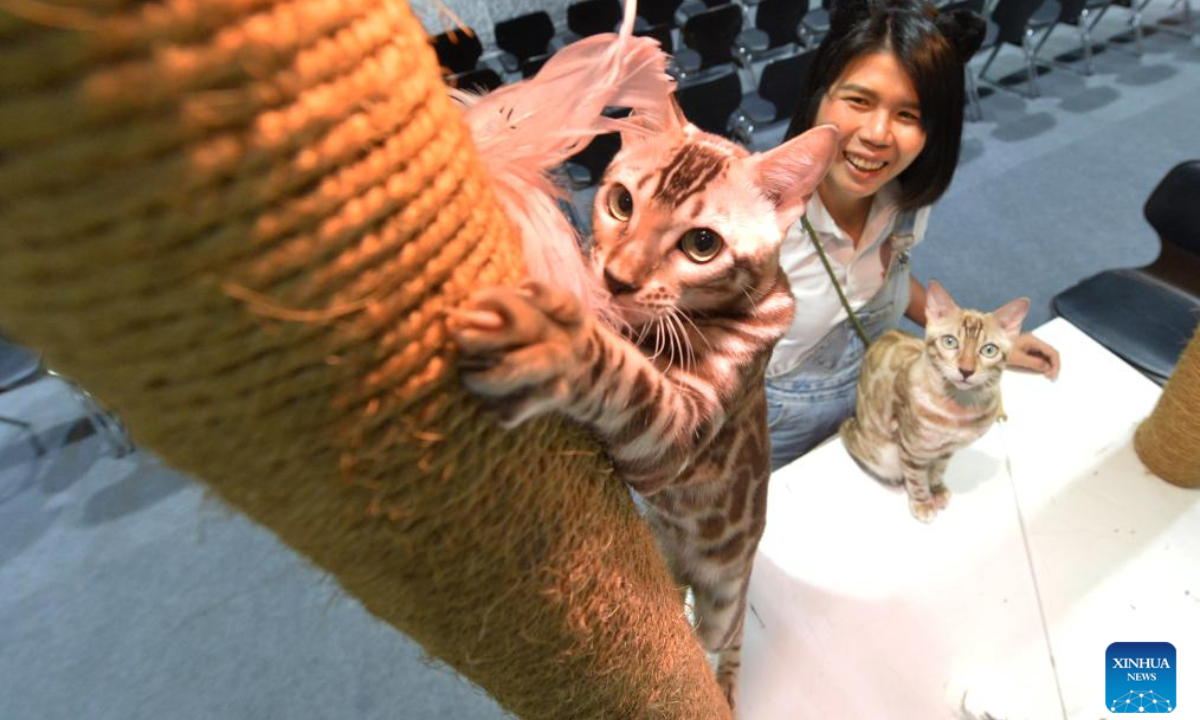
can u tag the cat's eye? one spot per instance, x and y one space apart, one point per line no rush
989 351
620 203
949 342
701 244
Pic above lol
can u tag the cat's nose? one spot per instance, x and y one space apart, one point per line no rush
617 286
966 373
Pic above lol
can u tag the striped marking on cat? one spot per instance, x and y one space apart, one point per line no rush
694 166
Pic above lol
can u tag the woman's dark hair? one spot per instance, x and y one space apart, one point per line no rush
932 49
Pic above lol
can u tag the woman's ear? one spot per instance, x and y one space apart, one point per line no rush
789 174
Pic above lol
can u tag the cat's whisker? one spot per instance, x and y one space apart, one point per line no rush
753 303
685 341
672 341
699 332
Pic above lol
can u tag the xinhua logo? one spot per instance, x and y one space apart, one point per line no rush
1140 677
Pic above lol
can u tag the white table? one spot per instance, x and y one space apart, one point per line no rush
1057 542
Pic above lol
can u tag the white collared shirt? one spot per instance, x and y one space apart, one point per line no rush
859 271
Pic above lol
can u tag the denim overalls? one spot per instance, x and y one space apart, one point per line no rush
806 404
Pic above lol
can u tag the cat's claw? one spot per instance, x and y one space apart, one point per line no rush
923 511
941 498
514 344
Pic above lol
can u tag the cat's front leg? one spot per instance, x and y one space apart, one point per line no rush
941 496
517 348
920 496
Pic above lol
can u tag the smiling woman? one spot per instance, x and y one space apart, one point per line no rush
890 76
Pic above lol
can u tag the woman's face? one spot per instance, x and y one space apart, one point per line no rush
878 115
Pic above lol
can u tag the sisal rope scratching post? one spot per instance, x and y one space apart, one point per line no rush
239 223
1168 441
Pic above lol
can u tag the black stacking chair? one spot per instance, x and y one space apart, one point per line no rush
586 167
991 39
709 35
776 28
479 80
458 50
711 101
661 33
1019 22
592 17
658 12
530 67
21 366
815 23
1147 315
1084 15
524 37
1179 25
690 8
774 102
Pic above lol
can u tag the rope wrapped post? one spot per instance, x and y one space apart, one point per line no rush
240 224
1168 441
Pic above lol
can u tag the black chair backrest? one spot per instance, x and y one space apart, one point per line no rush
457 50
779 19
782 79
661 33
526 35
480 80
712 32
597 155
530 67
708 104
1012 17
1173 209
592 17
659 12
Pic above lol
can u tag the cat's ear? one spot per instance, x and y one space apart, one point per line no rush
1010 315
789 174
665 120
938 303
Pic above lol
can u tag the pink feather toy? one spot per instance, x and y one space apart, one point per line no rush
525 130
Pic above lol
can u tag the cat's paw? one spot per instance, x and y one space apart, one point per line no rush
941 498
923 511
515 347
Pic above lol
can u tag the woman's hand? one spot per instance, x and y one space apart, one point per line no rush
1029 353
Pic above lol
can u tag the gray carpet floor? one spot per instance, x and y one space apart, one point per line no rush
127 594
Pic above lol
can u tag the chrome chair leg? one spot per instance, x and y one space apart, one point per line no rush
38 447
1030 65
108 426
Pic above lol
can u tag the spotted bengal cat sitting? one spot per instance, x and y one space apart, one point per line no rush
920 401
687 229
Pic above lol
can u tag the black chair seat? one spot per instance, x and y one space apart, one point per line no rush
18 365
1145 322
480 80
1147 315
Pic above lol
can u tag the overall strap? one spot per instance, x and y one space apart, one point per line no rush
858 328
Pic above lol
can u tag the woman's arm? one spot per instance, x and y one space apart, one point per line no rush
1029 353
916 301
